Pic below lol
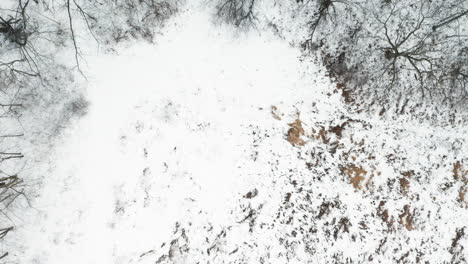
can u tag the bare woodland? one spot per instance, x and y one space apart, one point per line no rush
31 33
382 54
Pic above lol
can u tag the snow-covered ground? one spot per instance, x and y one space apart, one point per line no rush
216 147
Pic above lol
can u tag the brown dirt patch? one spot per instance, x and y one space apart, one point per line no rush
356 175
384 215
404 185
345 93
274 112
406 218
404 181
322 134
295 132
338 130
462 195
461 174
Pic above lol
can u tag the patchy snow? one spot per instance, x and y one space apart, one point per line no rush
213 147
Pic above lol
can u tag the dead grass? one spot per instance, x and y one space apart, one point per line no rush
356 175
404 181
384 215
345 93
322 134
275 113
404 185
461 174
406 218
295 133
462 195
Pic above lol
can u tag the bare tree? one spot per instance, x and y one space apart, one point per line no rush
239 13
394 52
31 33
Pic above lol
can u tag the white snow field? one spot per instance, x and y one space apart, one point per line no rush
217 147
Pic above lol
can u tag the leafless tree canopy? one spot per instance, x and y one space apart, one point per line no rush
393 52
240 13
381 52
